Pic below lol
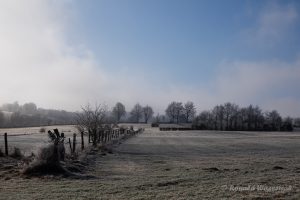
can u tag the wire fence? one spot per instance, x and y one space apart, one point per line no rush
74 140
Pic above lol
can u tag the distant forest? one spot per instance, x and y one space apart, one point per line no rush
15 115
227 116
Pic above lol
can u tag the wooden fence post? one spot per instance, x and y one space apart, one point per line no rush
82 141
6 145
74 142
102 136
99 136
70 145
89 137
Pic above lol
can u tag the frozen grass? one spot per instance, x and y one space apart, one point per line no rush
36 130
180 165
30 140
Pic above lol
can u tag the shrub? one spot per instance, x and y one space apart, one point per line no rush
42 130
48 154
154 125
49 157
46 162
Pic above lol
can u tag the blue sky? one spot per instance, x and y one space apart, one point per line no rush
154 52
164 35
160 37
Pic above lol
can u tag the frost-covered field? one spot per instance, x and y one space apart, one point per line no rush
181 165
29 139
36 130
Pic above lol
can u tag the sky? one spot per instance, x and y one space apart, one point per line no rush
63 54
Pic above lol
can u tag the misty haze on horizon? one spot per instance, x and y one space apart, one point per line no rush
64 54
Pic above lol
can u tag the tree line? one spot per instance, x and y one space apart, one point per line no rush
26 115
227 116
230 116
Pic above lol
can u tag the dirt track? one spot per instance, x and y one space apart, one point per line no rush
182 165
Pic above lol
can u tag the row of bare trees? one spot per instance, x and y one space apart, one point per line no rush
230 116
92 120
97 123
227 116
178 112
137 114
15 115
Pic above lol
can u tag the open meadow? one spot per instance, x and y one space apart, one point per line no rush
178 165
30 139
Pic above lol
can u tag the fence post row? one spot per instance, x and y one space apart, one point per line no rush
104 136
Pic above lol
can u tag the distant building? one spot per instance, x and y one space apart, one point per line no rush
175 127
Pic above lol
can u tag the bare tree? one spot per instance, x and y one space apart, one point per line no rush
148 113
157 118
174 111
214 113
221 116
91 120
296 122
250 115
287 124
189 111
218 113
227 113
171 111
201 121
137 112
258 118
119 111
233 121
230 115
273 120
29 109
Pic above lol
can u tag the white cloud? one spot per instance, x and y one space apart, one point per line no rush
273 24
272 85
287 106
275 20
36 62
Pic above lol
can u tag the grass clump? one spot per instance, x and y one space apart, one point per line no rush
47 162
42 130
49 157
